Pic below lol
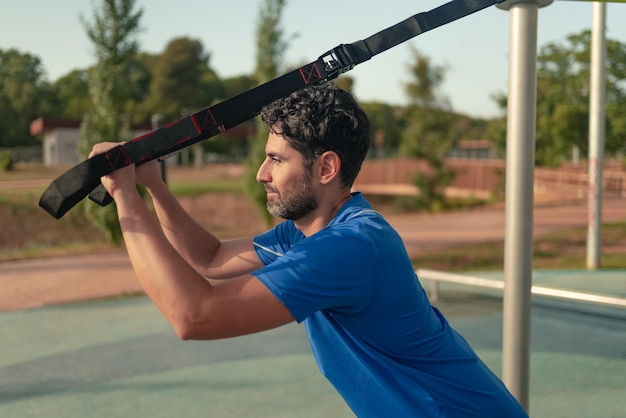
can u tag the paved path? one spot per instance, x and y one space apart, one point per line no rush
432 231
49 281
40 282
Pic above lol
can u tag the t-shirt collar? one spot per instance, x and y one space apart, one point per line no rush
355 204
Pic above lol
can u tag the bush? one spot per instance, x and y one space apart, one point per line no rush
6 161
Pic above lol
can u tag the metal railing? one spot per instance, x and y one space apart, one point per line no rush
435 277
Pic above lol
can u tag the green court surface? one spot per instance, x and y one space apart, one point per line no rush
119 358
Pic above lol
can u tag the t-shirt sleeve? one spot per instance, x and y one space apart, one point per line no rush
276 242
329 270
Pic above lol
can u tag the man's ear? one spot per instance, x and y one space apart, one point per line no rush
329 165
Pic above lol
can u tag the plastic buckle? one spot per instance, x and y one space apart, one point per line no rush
337 61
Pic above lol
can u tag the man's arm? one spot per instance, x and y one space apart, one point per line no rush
195 308
204 252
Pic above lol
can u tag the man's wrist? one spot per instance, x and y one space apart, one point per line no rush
156 187
125 194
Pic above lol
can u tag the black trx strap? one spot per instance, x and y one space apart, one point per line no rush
75 184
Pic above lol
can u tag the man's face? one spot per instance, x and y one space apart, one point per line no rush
288 185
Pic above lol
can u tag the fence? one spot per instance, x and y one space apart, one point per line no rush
480 178
574 183
33 154
483 178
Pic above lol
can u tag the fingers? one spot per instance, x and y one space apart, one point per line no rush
119 179
102 147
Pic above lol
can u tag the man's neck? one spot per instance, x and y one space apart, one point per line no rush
321 217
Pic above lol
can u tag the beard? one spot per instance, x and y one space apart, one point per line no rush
293 204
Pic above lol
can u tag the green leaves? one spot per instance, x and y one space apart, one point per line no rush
182 80
23 95
563 74
113 35
271 45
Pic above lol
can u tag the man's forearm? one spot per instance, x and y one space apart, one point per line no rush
196 245
168 280
206 254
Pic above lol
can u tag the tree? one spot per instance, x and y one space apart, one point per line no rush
140 77
236 85
387 125
183 83
345 82
429 132
270 48
423 89
24 96
113 34
182 79
563 71
496 128
72 94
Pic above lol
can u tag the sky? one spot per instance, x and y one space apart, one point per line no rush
474 49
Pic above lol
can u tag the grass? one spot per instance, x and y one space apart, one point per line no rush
410 203
28 232
196 189
564 249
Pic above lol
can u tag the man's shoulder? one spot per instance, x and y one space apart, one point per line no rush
353 208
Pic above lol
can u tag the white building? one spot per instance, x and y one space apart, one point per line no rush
61 136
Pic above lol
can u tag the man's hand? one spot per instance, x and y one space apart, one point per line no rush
148 174
122 179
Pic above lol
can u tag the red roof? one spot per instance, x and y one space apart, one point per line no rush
40 125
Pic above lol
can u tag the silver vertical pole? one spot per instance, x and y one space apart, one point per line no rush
519 197
157 122
596 134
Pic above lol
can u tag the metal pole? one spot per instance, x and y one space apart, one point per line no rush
520 161
157 122
596 134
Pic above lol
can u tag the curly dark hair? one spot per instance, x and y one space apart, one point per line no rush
324 118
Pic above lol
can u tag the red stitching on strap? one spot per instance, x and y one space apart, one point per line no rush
115 155
195 124
310 74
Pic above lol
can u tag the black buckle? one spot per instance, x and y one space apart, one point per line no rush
337 61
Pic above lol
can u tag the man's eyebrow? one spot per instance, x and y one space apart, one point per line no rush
274 154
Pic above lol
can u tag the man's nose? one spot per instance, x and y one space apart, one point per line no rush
263 175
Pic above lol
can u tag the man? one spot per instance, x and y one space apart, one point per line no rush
334 264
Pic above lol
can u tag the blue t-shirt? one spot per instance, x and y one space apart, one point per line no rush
372 330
